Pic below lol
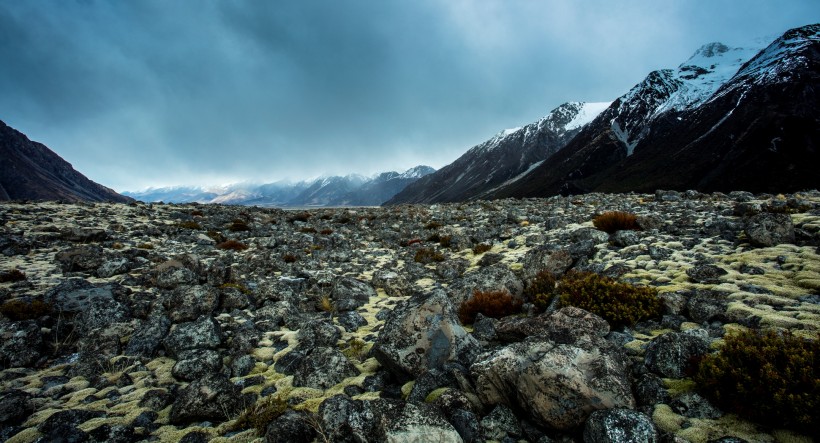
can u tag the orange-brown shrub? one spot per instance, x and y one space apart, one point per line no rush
481 248
12 276
613 221
232 245
495 304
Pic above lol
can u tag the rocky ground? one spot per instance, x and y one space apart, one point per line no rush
145 322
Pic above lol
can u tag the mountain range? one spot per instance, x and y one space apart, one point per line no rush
348 190
726 119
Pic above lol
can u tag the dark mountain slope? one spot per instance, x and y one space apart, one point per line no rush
31 171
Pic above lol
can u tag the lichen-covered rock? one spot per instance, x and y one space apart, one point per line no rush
187 303
558 381
349 293
706 306
86 258
769 229
497 277
706 273
318 332
322 368
173 273
556 261
501 423
113 266
351 320
204 333
624 238
148 336
62 425
212 398
21 343
15 407
291 427
670 354
423 333
196 363
619 425
393 283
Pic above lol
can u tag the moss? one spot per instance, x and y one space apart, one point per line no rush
767 377
407 388
433 396
666 419
676 386
495 304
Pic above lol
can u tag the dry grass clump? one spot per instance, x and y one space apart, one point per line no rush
232 245
190 224
239 225
290 258
495 304
12 275
768 377
613 221
299 217
261 413
433 225
308 230
326 231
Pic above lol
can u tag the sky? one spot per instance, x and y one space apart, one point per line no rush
151 93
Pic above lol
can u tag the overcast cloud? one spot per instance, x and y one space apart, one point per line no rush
155 92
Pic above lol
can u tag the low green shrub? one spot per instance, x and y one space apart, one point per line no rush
541 290
495 304
767 377
613 221
618 303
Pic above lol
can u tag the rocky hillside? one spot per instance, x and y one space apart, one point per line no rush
503 159
31 171
727 119
194 323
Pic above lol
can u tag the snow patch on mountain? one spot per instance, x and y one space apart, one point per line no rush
587 113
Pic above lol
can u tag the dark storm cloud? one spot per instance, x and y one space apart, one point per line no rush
153 92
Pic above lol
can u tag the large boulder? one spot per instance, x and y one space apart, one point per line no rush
497 277
769 229
212 398
322 368
423 333
560 377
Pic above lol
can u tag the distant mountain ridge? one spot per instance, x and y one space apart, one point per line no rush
348 190
507 155
727 119
31 171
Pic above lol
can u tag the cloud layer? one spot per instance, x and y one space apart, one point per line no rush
152 93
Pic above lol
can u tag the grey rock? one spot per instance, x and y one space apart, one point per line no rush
204 333
196 363
84 235
693 405
349 293
649 391
705 273
497 277
100 313
276 314
173 273
347 420
318 332
394 284
242 366
619 425
291 427
467 425
15 407
556 261
323 367
148 336
112 267
21 343
188 303
624 238
423 333
558 383
705 306
501 423
671 354
212 398
351 320
62 425
86 258
768 229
